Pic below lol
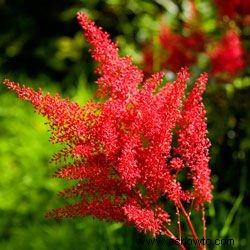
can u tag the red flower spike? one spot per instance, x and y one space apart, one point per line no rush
123 152
193 144
118 76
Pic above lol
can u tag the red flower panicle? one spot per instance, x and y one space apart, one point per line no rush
228 55
132 150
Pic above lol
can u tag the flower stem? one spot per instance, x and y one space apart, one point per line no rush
173 237
204 224
190 225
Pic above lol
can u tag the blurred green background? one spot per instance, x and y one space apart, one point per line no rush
41 45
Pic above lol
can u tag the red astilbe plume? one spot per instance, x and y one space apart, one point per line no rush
123 151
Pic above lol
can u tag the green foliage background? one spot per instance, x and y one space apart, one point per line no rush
41 45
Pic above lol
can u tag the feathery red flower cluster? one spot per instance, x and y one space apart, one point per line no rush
228 54
132 150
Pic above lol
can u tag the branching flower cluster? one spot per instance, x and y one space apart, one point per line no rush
131 152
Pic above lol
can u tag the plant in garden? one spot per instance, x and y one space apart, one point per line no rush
132 152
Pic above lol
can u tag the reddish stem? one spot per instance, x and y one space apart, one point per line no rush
173 237
204 224
178 221
190 225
